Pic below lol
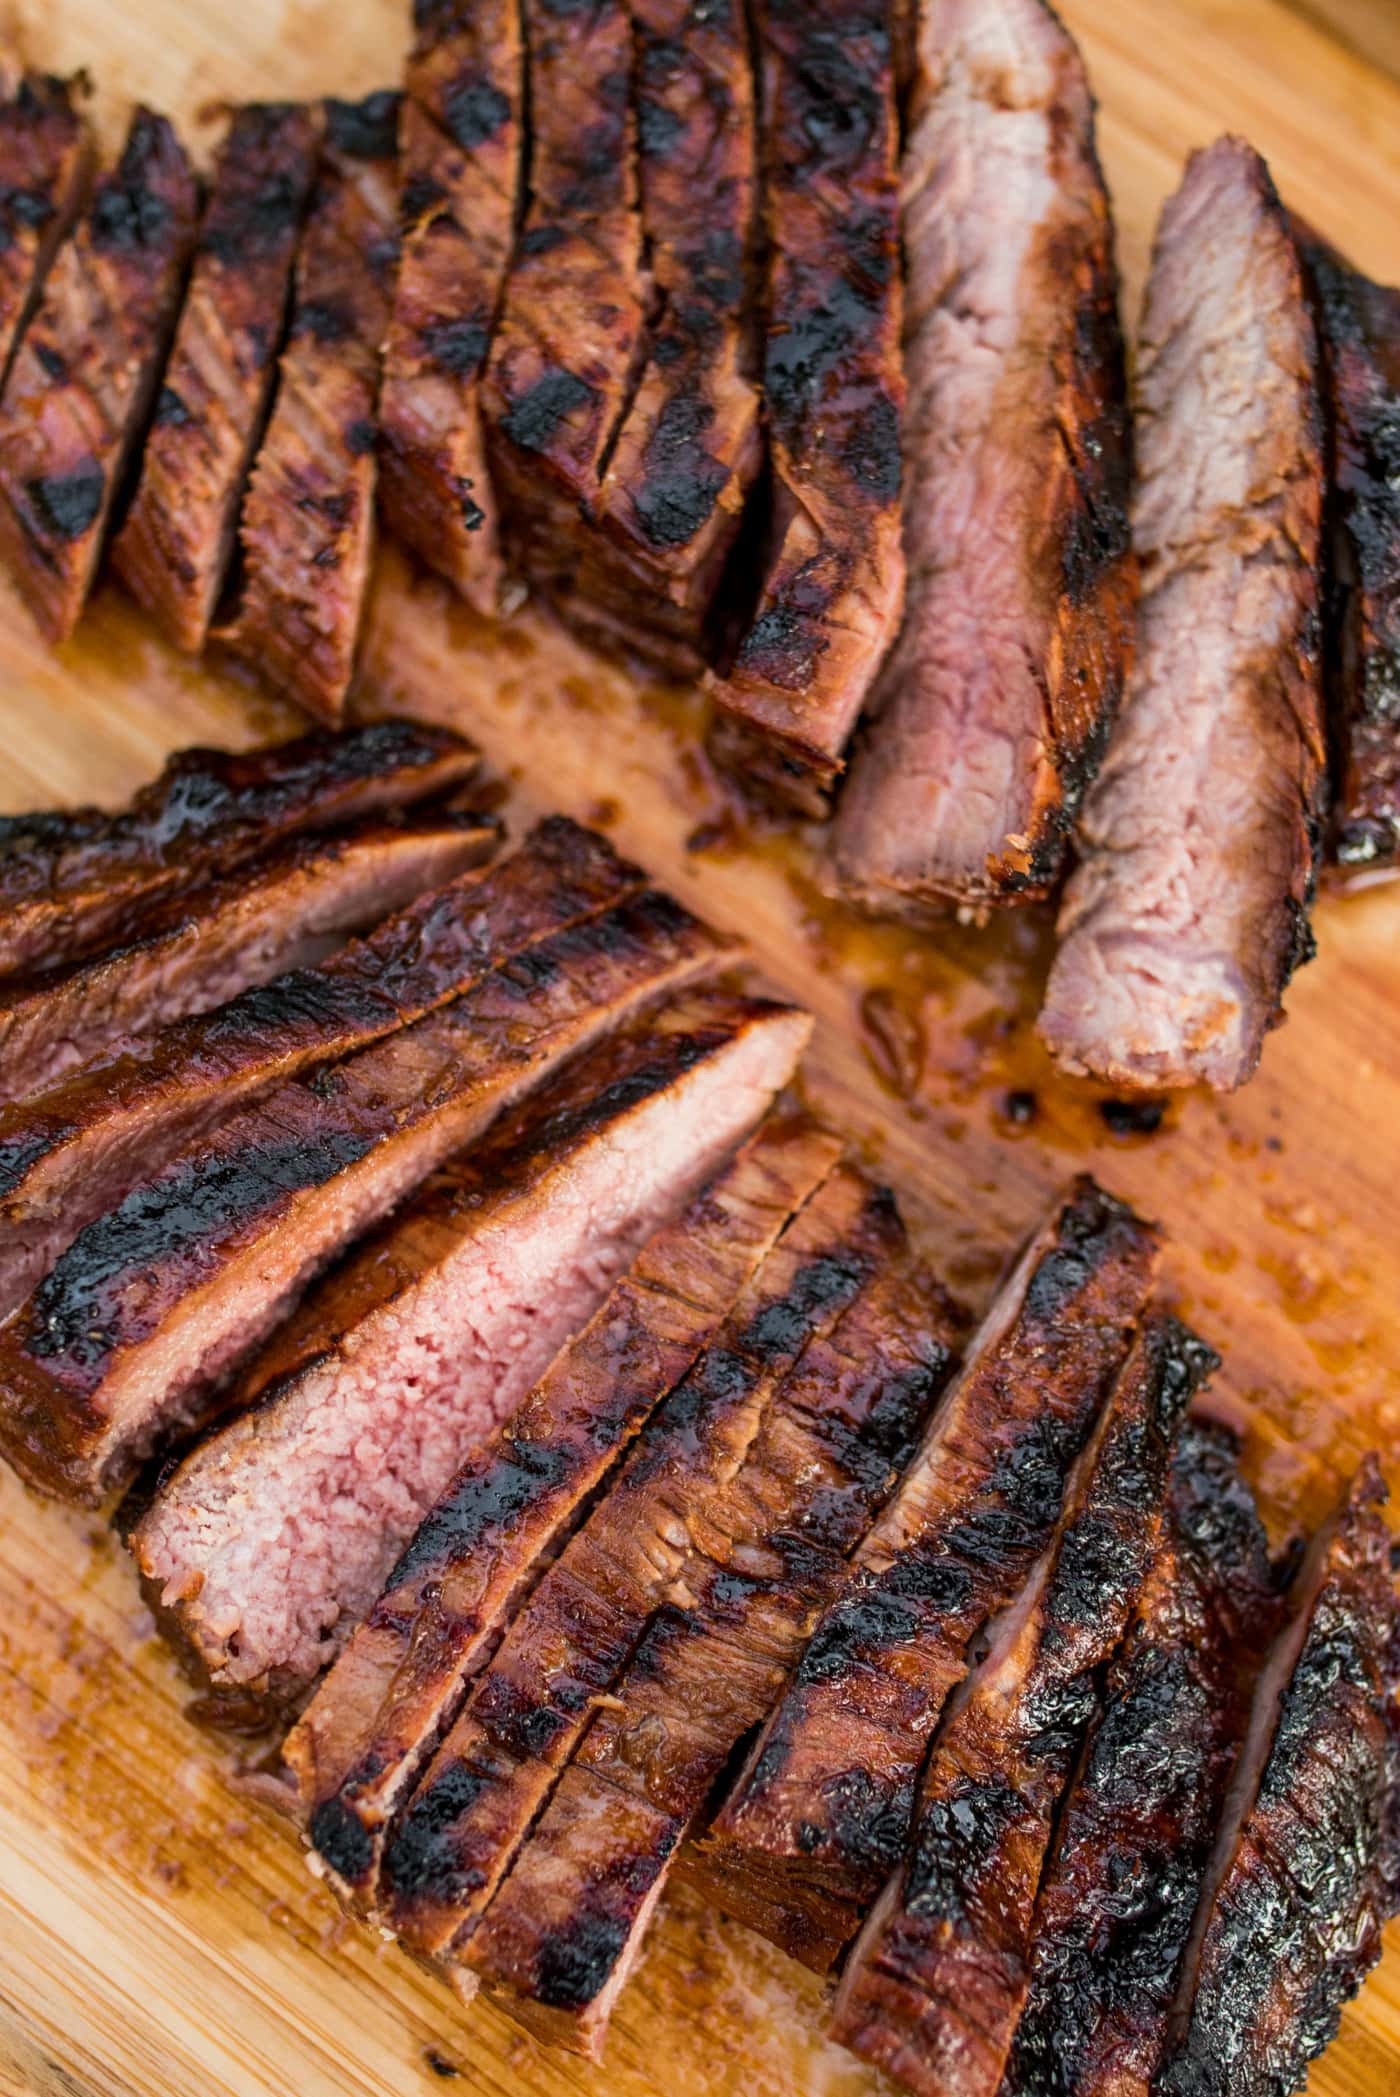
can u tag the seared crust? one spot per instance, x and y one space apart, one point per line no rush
460 144
45 169
83 378
174 549
308 519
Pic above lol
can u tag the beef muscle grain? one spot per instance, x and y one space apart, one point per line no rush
174 549
271 1542
834 391
995 703
84 376
820 1813
1189 908
460 135
45 167
307 530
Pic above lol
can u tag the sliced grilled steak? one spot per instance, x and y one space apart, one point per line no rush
155 1302
364 1739
766 1550
45 168
272 1541
83 378
1115 1909
834 387
564 363
460 142
821 1812
75 1152
995 704
574 1637
173 551
1189 910
73 881
1303 1872
200 950
935 1985
308 521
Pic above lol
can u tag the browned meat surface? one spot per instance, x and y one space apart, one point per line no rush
82 380
272 1541
1304 1871
571 334
1115 1909
71 1155
74 881
1189 909
364 1739
155 1302
307 529
935 1984
821 1812
174 549
460 144
833 385
994 706
197 951
45 168
765 1550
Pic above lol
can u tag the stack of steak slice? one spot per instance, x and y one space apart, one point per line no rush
45 166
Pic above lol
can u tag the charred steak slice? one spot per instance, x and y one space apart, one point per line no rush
69 1156
1189 909
833 385
1115 1908
74 881
766 1549
935 1984
308 520
1303 1874
996 701
272 1541
174 549
460 143
83 378
362 1743
819 1816
45 169
152 1304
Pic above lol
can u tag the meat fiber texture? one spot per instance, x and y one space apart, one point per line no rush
45 168
993 709
273 1540
1189 909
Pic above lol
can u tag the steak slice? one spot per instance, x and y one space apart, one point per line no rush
820 1814
1115 1908
45 169
360 1746
767 1549
935 1984
833 385
995 704
82 380
131 1333
272 1541
571 1642
1303 1874
571 334
73 881
1189 909
173 551
307 529
460 142
71 1155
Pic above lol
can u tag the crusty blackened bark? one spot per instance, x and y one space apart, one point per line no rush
45 167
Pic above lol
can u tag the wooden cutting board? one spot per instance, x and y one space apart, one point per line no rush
158 1933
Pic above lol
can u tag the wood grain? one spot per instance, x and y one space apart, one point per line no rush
159 1933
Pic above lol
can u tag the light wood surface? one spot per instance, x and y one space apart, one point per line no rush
159 1934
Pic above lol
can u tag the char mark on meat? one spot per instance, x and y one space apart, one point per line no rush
83 378
1189 909
45 171
995 704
